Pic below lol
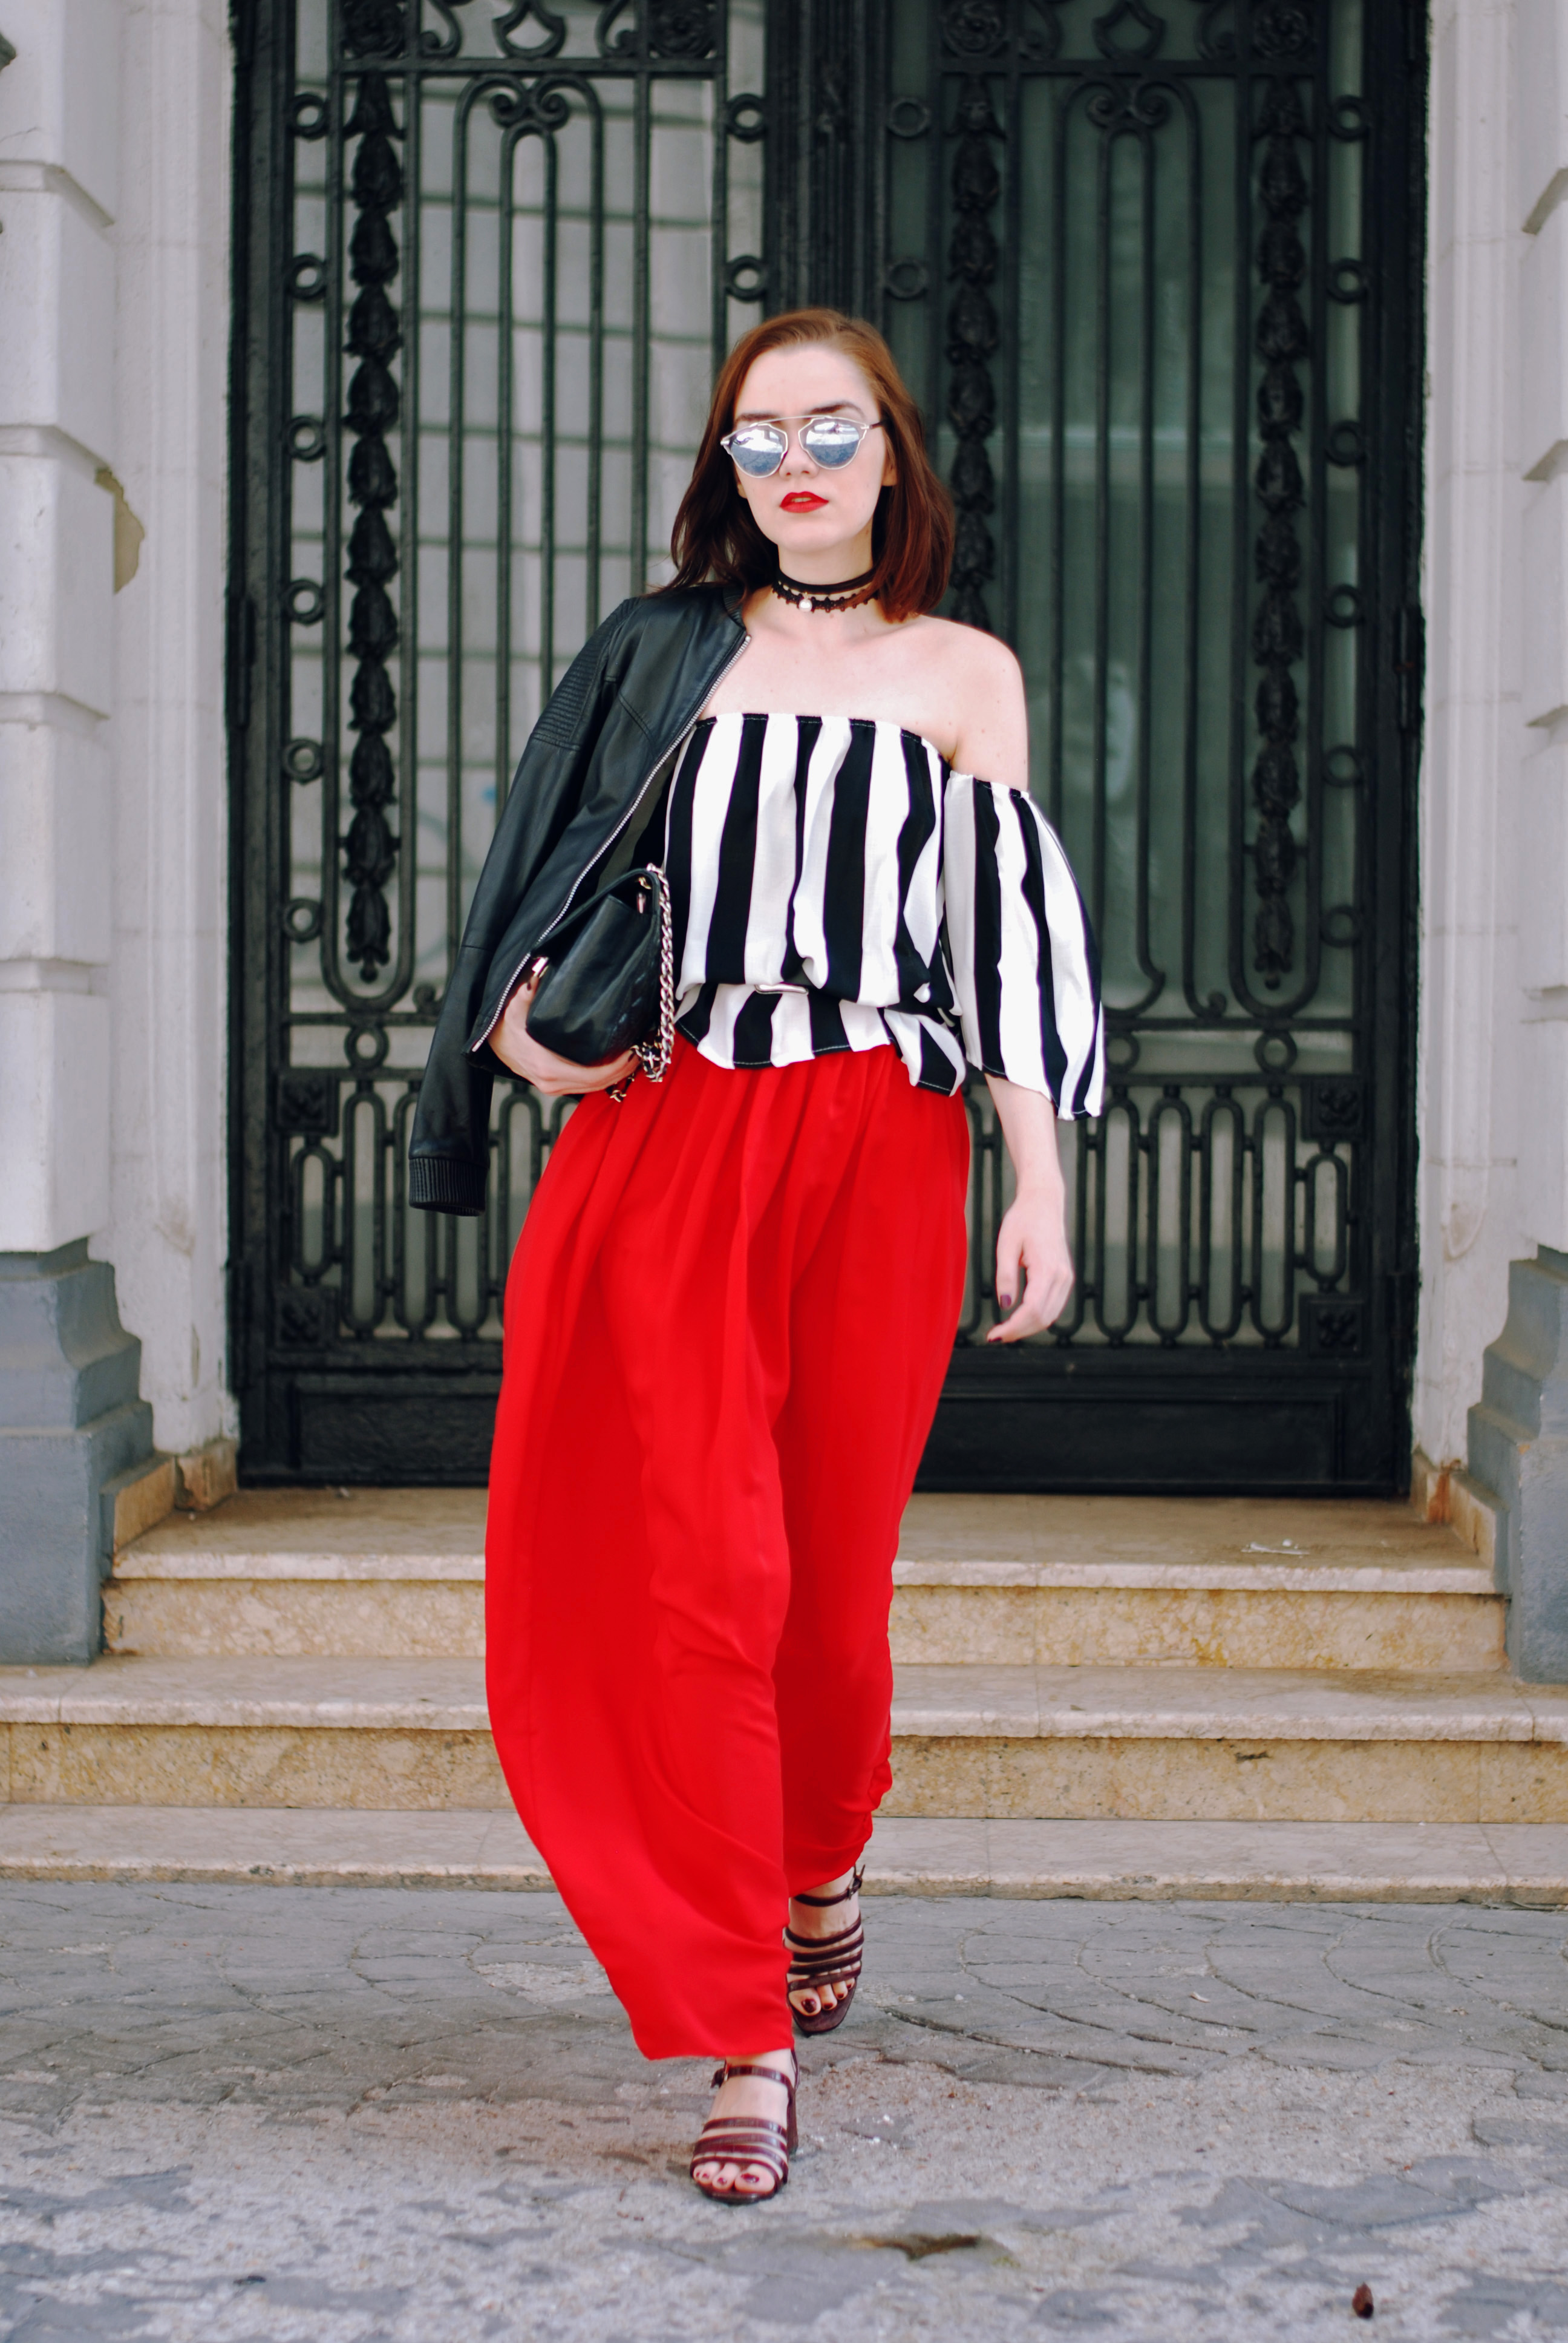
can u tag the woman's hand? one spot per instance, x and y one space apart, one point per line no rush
553 1077
1033 1260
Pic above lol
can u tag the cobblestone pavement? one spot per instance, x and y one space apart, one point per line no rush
248 2115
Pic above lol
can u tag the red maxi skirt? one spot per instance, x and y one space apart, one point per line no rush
727 1325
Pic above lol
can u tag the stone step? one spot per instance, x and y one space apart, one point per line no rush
989 1581
1016 1744
1510 1863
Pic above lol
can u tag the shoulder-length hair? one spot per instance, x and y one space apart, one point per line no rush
715 538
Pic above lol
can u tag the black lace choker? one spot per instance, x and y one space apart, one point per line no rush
845 597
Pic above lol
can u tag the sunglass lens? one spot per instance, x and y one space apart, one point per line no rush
758 449
830 440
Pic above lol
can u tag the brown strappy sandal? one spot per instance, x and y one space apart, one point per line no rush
817 1961
748 2139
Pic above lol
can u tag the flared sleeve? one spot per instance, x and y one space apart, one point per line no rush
1026 973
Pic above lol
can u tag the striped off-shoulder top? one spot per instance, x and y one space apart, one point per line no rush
836 886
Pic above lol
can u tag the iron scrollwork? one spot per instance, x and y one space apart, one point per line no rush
672 28
370 849
552 31
374 28
1129 49
1282 343
974 28
974 334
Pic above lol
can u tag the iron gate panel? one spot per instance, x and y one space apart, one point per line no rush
1152 272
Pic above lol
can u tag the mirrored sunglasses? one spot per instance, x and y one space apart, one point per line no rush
830 440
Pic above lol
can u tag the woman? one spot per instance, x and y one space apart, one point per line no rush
736 1292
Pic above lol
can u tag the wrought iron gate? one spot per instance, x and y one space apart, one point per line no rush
1154 268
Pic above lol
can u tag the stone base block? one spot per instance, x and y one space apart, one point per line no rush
1447 1492
205 1476
137 1501
71 1426
1518 1459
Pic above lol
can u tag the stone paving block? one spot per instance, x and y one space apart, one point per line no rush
346 2114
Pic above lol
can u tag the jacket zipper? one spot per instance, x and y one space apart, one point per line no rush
628 818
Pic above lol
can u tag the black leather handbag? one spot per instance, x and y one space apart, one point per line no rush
606 978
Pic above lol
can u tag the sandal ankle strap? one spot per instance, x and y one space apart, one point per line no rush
729 2068
823 1902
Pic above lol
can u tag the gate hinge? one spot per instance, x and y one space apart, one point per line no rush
240 658
1409 660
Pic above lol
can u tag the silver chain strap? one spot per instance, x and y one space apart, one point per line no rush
654 1056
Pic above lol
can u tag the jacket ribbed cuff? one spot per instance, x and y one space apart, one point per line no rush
446 1183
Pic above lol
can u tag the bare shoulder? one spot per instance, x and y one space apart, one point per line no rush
980 685
976 670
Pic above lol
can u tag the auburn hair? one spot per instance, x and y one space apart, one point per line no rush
715 538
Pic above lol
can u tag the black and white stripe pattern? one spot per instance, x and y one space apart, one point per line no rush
836 887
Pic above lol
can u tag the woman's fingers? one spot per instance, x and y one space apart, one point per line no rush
1009 1266
1033 1280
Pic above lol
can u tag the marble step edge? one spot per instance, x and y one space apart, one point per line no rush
930 1701
1512 1863
1464 1575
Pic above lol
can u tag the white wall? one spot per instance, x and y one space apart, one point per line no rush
1471 1038
167 1229
114 141
1540 866
58 194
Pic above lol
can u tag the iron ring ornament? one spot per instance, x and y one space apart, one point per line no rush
307 278
909 117
746 277
746 117
302 760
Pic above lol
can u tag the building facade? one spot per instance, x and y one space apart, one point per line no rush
353 359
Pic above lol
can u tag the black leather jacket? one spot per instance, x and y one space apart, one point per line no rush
628 699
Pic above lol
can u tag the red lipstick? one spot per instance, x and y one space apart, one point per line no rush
800 500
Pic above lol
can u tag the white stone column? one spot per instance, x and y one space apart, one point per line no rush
1466 1089
71 1422
1496 998
59 109
166 1226
1540 867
